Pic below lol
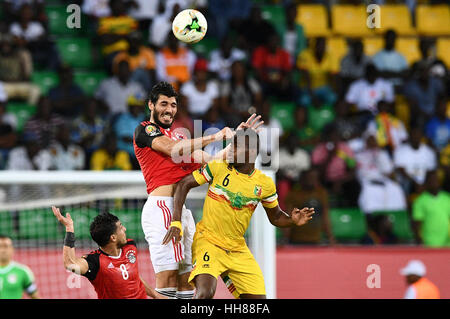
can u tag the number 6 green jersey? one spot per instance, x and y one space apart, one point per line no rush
16 278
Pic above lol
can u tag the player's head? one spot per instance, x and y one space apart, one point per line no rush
6 249
163 104
107 229
245 148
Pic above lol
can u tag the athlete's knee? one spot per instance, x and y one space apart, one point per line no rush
205 293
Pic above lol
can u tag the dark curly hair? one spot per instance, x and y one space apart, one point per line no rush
162 88
102 227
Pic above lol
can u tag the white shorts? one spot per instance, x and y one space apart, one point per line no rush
156 219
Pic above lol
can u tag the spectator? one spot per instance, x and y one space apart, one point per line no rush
320 113
445 166
44 123
30 156
114 91
200 94
310 194
307 136
336 164
295 160
419 287
225 15
66 97
438 128
431 213
143 11
15 71
412 160
379 192
140 59
366 92
347 124
239 95
318 70
422 92
223 58
127 122
294 39
11 10
109 157
255 30
114 29
269 137
273 67
8 124
96 9
89 129
391 64
161 26
31 35
352 65
66 156
174 63
388 130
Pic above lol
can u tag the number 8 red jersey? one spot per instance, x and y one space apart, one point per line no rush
116 277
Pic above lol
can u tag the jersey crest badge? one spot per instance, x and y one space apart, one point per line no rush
151 130
131 256
258 190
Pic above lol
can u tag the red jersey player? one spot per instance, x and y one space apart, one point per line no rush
113 268
154 146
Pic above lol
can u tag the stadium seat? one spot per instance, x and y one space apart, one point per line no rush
76 52
82 218
206 46
283 112
372 45
433 20
337 47
348 224
131 219
89 81
401 225
396 17
7 225
57 21
409 47
276 16
443 50
350 20
45 80
23 111
39 224
314 19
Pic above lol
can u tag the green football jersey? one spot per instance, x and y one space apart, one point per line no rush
14 280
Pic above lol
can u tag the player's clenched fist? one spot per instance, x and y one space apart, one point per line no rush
303 216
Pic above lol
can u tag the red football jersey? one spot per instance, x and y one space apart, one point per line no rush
116 277
158 168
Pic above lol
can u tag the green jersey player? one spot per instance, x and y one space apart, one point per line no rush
15 278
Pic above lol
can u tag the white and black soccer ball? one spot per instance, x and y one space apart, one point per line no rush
189 26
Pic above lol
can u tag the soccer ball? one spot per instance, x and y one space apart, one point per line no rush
189 26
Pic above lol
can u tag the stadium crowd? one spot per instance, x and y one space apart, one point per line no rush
364 130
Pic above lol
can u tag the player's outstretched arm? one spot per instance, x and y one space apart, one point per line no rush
186 147
181 191
280 218
151 292
71 262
